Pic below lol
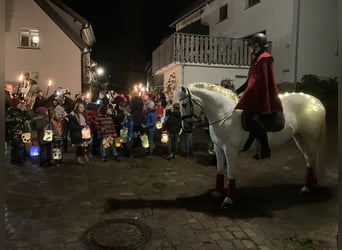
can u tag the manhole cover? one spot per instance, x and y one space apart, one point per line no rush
117 234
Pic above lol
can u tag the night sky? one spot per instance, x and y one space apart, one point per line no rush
127 31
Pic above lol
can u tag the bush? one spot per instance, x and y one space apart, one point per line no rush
325 89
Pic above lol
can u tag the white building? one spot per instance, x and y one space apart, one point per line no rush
49 41
303 36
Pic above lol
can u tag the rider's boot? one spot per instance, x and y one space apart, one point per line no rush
248 142
263 149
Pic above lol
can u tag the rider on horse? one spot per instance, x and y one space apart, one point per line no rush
260 93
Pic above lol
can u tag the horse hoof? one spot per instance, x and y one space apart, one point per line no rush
227 202
304 190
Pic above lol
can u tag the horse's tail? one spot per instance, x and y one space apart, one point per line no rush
321 151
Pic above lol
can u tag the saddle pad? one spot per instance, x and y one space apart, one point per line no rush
272 122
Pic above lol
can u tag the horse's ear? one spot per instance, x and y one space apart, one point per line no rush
183 89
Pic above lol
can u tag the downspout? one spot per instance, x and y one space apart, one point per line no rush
182 83
296 31
84 51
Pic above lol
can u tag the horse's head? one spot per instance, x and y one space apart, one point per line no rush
190 108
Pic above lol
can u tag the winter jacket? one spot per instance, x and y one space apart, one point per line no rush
173 122
150 120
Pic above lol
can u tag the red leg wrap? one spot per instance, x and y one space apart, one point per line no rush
219 182
231 192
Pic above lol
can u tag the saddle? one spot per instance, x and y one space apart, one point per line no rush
272 122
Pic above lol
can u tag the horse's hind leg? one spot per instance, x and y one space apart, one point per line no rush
220 158
310 177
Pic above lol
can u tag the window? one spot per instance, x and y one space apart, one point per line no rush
223 12
29 38
251 3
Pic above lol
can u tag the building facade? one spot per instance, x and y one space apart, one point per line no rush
48 41
303 34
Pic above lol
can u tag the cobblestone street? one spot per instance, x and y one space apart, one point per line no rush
52 208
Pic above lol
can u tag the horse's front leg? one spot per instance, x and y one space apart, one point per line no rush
220 161
231 156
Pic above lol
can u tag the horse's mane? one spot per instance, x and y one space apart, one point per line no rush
216 88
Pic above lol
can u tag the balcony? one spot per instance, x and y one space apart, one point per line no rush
199 49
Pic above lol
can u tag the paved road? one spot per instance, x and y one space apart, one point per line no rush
53 208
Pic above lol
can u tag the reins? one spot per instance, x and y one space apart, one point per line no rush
192 114
224 117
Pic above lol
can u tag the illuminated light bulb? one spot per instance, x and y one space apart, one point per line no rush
35 39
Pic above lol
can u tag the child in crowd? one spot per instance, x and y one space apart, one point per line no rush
173 125
187 132
78 121
42 123
106 132
160 111
59 128
150 127
16 124
128 125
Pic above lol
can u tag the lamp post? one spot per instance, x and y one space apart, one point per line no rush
48 87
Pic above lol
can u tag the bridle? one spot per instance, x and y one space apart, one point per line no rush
192 114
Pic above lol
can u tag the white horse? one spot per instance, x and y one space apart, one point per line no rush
304 123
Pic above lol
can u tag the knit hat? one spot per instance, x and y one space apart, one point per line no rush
150 105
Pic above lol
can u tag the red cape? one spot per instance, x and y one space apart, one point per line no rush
261 93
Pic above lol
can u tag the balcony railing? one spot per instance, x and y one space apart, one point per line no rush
190 48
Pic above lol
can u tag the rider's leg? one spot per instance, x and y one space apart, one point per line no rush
261 135
249 142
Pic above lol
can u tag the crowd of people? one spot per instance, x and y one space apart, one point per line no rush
109 125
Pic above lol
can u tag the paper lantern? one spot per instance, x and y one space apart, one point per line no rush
56 154
144 141
86 133
107 142
117 143
159 124
164 138
26 137
123 135
34 151
47 135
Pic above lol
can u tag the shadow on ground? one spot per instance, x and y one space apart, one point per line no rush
252 201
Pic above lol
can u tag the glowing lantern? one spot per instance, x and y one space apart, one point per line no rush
123 135
47 135
107 142
144 141
159 124
117 143
34 151
56 154
164 138
26 137
86 133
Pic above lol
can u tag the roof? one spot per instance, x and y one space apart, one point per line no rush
190 10
60 13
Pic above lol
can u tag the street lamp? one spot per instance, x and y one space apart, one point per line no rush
99 71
